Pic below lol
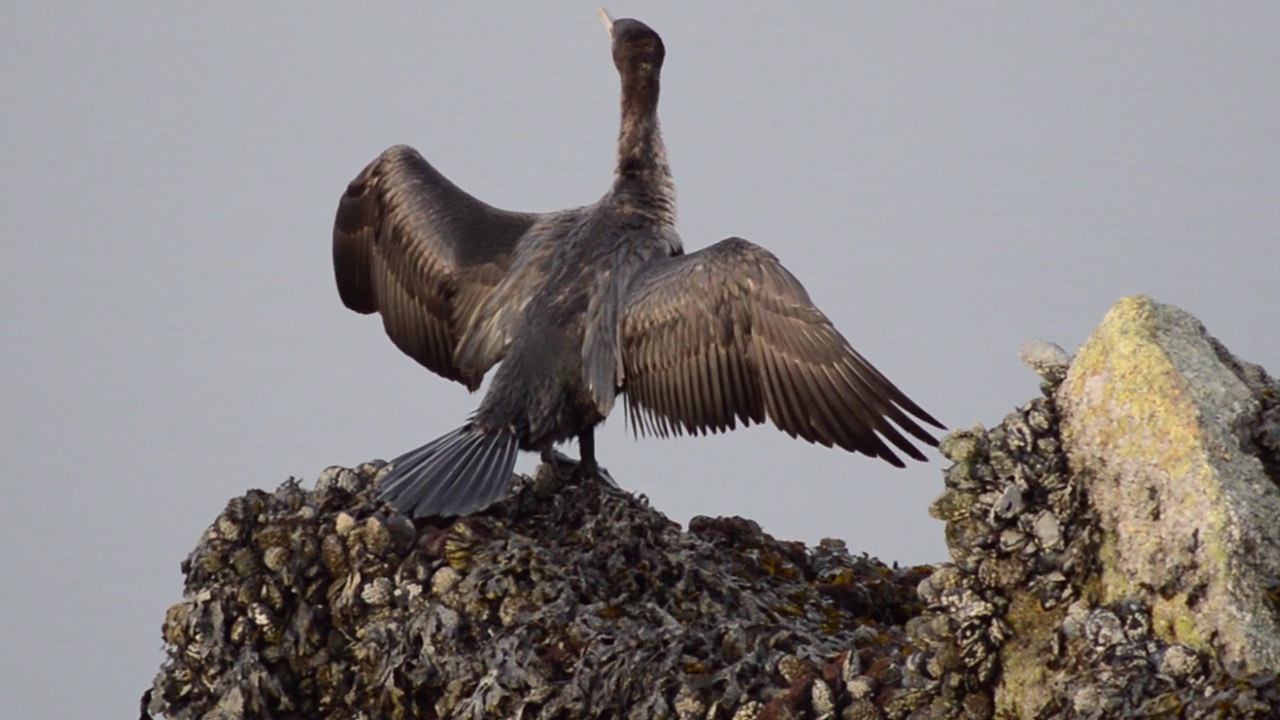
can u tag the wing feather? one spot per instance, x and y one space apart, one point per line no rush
727 334
412 246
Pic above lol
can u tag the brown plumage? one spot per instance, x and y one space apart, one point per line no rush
727 335
583 304
413 247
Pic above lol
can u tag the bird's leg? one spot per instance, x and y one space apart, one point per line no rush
588 468
587 465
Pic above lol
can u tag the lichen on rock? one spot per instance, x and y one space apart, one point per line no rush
1162 420
1093 535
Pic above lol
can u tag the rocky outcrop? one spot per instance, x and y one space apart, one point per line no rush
1113 554
1164 422
316 604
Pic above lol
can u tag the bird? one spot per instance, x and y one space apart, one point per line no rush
579 307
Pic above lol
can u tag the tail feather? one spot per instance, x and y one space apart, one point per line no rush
459 473
455 473
404 479
431 475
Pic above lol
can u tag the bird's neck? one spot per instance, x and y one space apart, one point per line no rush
642 174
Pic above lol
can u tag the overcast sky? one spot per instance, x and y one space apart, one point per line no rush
948 180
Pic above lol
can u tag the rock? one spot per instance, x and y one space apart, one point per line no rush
1113 554
574 602
1163 431
1047 359
1039 614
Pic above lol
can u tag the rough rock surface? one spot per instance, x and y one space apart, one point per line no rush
561 599
1162 421
582 601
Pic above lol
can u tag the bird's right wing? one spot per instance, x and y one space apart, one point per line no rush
414 247
727 334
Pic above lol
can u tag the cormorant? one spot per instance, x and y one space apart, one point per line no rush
585 304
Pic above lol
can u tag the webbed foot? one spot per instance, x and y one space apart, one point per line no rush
576 471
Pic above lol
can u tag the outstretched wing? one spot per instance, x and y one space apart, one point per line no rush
417 249
727 334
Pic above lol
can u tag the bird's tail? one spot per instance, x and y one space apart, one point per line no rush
460 473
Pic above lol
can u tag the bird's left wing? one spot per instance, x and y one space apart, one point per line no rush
727 334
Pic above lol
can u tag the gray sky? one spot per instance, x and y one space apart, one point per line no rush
947 180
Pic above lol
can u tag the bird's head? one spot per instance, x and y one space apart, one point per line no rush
636 47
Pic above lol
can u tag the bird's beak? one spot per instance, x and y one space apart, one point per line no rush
607 19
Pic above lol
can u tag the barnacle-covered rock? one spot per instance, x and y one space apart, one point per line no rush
562 601
1112 549
1075 590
